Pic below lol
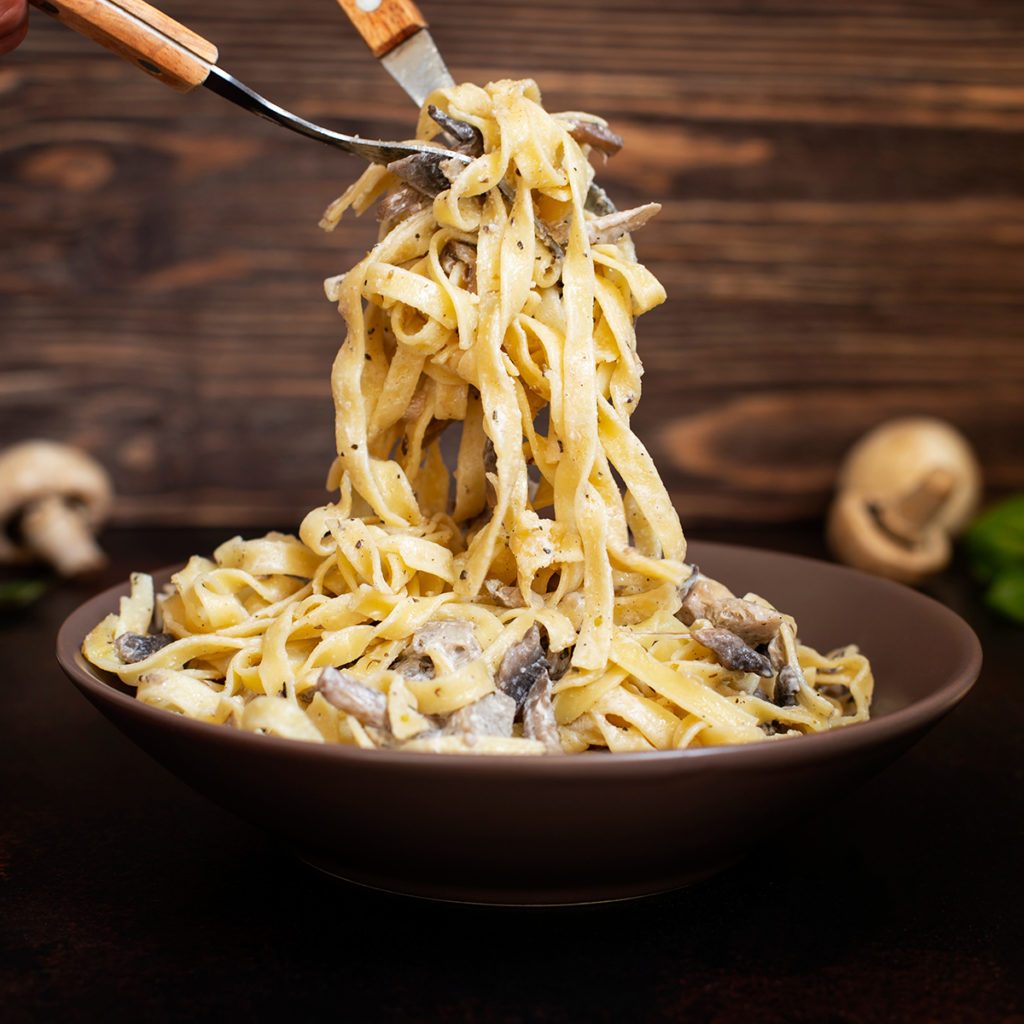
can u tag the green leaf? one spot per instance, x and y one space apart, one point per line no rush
1006 593
995 540
21 593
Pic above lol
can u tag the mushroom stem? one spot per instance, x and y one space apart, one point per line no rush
912 512
58 532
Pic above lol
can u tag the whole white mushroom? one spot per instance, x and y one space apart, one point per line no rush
53 500
904 490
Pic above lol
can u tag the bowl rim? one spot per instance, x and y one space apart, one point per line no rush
834 743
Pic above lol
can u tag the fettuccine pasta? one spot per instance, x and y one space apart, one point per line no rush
531 597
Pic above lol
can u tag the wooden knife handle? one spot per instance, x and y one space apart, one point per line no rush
384 24
142 34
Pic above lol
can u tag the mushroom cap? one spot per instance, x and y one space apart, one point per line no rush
894 457
857 538
34 470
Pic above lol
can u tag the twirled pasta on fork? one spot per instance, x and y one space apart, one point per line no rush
534 597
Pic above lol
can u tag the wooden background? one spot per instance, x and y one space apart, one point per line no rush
842 238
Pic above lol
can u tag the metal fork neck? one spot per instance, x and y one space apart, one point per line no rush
373 150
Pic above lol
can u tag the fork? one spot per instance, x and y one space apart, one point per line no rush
182 59
397 34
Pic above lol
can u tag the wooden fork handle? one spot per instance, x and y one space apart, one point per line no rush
143 35
384 24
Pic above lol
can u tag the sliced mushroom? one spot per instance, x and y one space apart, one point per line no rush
522 666
456 253
505 594
400 202
539 715
612 226
789 678
558 662
700 596
368 706
450 642
492 715
593 133
53 498
752 622
705 598
466 138
423 171
134 647
732 652
598 201
415 667
787 686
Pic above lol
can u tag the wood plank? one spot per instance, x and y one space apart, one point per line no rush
842 238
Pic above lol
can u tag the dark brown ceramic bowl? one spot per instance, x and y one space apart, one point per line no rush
570 829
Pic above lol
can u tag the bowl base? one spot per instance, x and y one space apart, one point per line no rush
484 896
549 831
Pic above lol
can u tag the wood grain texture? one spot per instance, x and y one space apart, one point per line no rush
181 34
141 35
387 25
842 237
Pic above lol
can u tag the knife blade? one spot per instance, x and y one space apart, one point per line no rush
396 33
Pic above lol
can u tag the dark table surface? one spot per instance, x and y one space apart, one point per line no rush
126 896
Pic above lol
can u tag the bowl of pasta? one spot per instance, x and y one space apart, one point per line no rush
492 669
599 825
